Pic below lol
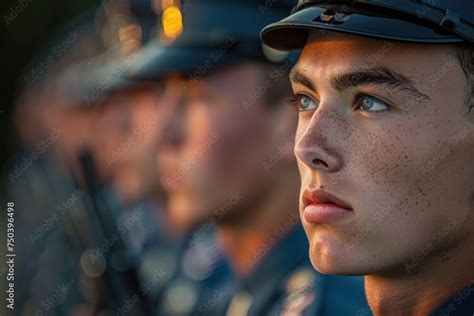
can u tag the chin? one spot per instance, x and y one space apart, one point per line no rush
330 267
180 214
330 255
188 214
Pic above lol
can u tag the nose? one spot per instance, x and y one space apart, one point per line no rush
316 141
173 133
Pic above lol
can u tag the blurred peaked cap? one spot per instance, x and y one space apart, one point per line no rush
87 56
213 33
416 21
61 47
90 81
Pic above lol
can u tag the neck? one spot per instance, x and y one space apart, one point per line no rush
247 242
422 291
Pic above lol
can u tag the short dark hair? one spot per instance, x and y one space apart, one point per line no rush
465 54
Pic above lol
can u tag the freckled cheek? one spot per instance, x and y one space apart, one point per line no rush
379 156
388 173
382 173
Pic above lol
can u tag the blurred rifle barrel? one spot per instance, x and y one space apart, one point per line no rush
123 285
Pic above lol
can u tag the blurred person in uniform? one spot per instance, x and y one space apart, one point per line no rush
58 118
124 128
127 129
41 179
226 159
385 146
127 125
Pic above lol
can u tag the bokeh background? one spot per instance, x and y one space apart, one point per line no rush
26 27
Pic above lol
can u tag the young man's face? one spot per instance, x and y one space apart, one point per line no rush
215 144
384 127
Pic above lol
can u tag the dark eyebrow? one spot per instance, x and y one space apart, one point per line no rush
299 77
379 76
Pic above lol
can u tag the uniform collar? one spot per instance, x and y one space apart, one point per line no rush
460 304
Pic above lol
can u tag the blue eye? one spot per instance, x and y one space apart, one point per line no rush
367 103
303 103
